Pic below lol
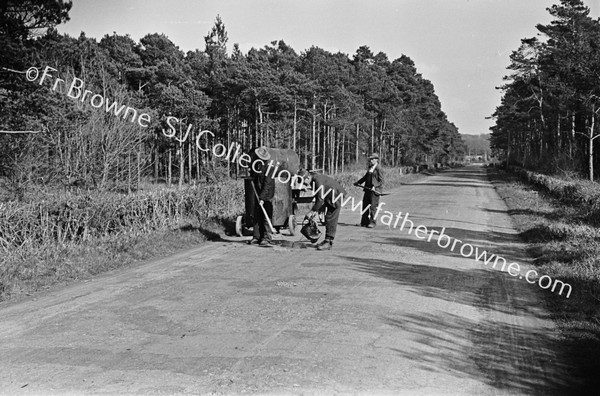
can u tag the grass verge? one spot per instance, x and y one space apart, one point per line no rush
42 268
565 242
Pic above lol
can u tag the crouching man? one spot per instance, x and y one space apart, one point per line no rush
329 193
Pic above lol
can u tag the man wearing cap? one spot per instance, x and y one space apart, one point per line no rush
373 187
329 193
264 185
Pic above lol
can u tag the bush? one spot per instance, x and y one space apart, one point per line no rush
75 218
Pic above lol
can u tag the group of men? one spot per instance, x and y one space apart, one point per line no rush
264 185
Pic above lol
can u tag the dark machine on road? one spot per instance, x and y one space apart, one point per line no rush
287 193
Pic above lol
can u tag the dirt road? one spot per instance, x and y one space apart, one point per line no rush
383 313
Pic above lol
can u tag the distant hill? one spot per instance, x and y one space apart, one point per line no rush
477 144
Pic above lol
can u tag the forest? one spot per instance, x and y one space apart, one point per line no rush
330 108
548 117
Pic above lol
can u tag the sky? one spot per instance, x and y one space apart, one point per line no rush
461 46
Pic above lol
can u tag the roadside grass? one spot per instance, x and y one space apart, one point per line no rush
564 239
28 270
59 238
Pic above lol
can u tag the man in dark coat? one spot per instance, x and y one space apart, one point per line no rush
264 184
373 187
329 193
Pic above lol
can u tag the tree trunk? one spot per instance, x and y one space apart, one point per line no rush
129 173
256 128
156 163
314 135
321 140
372 135
558 137
198 159
260 122
572 140
332 150
508 150
343 152
357 138
591 157
381 139
227 145
190 160
181 165
169 169
295 121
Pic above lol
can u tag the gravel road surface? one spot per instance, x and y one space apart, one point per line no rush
382 313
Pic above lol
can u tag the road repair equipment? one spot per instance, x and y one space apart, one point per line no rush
371 189
285 165
310 230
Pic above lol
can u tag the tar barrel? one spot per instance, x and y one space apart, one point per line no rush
286 163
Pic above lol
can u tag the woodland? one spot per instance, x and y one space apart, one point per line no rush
331 108
548 118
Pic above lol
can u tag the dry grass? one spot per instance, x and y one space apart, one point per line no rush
67 236
31 270
68 218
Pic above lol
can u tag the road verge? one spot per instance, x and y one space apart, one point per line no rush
564 240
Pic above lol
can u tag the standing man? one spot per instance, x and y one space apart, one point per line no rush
328 193
373 187
264 185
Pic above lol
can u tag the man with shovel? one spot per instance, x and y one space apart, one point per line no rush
373 188
264 190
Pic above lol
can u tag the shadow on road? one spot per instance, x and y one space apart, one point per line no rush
513 358
444 283
466 173
508 366
454 184
494 242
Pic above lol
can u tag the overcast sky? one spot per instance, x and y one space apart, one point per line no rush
462 46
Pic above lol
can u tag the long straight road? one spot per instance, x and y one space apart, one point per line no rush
382 313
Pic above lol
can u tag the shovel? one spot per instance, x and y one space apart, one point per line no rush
263 209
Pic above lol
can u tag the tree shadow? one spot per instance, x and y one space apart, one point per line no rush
209 234
456 184
511 357
465 173
526 212
418 216
494 242
445 283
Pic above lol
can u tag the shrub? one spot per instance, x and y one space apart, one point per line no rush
74 218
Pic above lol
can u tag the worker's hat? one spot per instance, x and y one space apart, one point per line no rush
263 153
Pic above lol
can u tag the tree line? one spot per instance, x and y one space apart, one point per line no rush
330 108
548 116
